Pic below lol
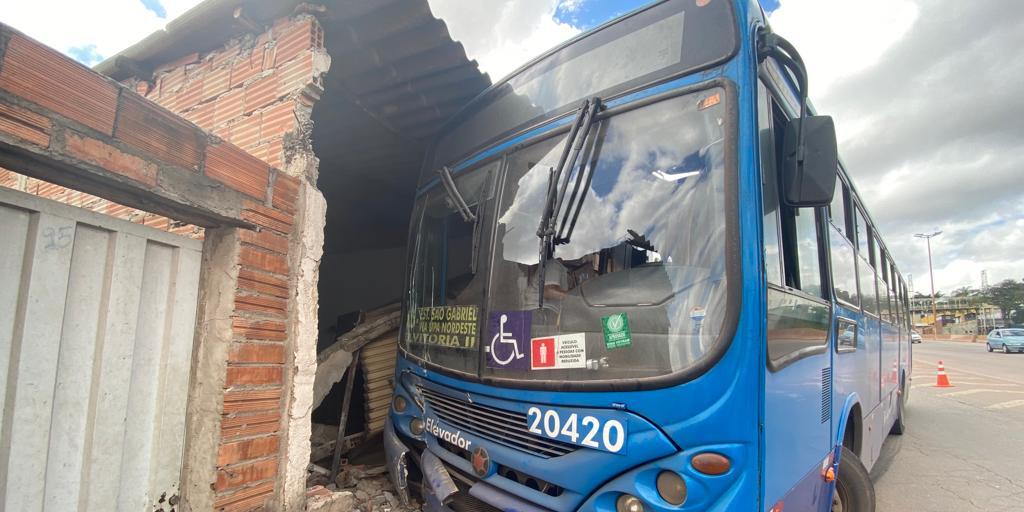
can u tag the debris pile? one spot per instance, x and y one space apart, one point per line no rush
362 483
357 488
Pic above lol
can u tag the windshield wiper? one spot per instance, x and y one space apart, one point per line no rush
458 202
550 234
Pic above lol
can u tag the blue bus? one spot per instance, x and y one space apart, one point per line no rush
640 279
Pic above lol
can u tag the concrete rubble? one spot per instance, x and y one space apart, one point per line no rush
357 488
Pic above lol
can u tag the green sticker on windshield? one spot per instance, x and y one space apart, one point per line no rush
616 331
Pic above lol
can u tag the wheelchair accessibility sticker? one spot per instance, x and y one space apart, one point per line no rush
508 345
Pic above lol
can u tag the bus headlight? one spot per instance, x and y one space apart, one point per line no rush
399 403
416 426
671 487
629 503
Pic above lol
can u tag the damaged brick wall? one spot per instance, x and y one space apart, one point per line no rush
255 92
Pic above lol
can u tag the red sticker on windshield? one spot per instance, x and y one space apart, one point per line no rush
558 352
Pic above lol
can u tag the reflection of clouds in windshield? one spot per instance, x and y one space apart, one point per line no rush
643 51
679 216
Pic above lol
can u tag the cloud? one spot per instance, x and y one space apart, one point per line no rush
502 34
927 101
85 54
103 27
156 7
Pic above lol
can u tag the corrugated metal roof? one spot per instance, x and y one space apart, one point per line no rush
396 75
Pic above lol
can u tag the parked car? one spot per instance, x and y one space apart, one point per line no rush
915 337
1006 340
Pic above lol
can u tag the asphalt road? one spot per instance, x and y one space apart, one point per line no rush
964 446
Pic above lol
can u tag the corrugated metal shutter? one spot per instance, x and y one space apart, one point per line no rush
97 317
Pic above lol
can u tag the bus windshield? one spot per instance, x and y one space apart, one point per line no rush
639 290
666 39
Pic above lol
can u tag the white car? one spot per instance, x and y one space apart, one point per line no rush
915 337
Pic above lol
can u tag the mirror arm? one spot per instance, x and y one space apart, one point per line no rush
770 44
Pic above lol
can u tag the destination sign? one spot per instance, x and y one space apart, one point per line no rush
445 326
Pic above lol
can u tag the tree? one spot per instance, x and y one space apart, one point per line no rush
1008 296
964 291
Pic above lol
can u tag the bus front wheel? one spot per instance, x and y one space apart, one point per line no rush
854 490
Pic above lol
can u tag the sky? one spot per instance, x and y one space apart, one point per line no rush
926 95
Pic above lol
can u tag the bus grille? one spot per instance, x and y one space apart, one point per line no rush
505 427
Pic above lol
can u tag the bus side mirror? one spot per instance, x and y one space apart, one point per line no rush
812 184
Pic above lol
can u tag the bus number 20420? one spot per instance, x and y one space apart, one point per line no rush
591 431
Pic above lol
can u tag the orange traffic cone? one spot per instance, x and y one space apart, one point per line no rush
942 380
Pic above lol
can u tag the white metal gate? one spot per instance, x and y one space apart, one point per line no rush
97 317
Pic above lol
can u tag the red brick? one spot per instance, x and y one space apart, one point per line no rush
202 115
242 474
250 498
270 151
110 158
285 192
55 82
269 330
238 451
295 74
188 98
25 124
265 261
246 401
238 170
263 283
247 66
267 353
250 424
254 375
278 120
216 82
228 107
293 40
246 132
154 130
170 83
262 92
266 239
267 217
261 304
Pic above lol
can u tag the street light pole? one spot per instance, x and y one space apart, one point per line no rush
931 275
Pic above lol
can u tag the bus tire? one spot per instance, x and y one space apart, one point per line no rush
899 426
854 490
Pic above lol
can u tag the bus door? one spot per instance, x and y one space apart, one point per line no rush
798 380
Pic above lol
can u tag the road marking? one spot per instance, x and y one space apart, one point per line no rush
976 391
1006 405
975 383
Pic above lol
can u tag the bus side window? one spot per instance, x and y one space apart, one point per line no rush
838 210
769 184
844 263
801 237
866 274
798 319
846 335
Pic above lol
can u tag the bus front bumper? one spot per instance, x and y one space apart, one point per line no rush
438 483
